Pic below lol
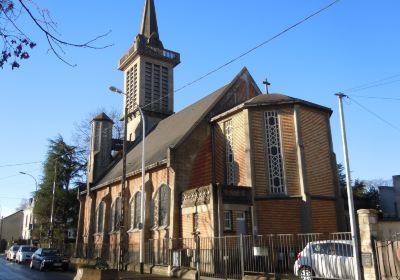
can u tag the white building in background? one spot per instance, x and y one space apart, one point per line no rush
28 220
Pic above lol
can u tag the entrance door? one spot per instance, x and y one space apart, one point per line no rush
241 223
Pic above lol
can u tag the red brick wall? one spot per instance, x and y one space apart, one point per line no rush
279 216
324 216
239 124
317 151
202 166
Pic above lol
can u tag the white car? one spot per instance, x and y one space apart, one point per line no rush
25 253
12 252
330 259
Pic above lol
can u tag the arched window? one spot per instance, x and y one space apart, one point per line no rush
163 207
118 208
112 215
132 213
152 224
100 217
115 214
137 208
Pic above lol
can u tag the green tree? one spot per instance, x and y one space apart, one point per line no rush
365 194
341 176
63 168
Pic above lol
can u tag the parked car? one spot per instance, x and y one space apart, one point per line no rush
12 252
325 259
25 253
47 258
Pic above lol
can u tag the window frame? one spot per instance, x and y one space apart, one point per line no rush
102 206
115 214
164 189
279 157
229 153
137 201
229 218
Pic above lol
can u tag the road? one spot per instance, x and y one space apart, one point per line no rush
13 271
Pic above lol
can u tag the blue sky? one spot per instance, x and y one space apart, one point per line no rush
353 43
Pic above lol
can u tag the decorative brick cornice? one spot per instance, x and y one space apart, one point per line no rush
199 196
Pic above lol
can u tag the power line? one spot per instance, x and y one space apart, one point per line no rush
246 52
374 114
375 85
377 97
15 175
371 83
19 164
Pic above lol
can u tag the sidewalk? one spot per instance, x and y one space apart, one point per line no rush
134 275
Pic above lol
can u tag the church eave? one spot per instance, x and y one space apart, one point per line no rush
129 174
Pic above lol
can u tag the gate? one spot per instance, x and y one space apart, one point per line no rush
388 258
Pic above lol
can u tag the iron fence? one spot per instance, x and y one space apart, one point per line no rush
306 256
388 258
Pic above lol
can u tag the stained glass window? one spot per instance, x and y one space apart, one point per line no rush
274 154
163 210
230 160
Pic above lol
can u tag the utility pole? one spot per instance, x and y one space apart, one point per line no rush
52 207
123 190
123 183
356 259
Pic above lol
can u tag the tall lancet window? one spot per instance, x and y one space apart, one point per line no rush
230 160
100 217
274 154
137 217
163 209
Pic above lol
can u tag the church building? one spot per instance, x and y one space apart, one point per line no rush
238 161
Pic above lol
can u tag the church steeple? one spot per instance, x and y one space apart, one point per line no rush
149 27
148 71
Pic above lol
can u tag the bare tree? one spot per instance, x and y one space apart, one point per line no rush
17 44
82 129
24 203
375 183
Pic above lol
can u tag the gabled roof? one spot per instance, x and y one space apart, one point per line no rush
168 133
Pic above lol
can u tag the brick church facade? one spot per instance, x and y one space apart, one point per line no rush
235 162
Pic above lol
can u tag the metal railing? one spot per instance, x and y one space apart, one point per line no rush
305 256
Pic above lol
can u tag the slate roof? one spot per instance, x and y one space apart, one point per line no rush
168 133
102 117
279 99
149 19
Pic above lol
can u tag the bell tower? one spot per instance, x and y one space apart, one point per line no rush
148 75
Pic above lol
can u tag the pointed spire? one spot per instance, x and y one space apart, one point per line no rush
149 19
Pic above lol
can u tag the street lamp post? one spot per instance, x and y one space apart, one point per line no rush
142 213
33 203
